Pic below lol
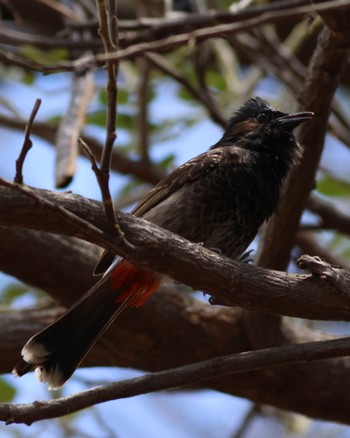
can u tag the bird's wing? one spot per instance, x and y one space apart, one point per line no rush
185 174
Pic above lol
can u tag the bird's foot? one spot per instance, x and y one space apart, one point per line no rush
245 257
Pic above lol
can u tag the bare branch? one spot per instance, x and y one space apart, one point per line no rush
27 143
310 244
175 378
70 128
62 213
335 275
109 34
120 161
142 29
247 421
195 330
180 39
142 104
234 283
166 67
331 217
328 63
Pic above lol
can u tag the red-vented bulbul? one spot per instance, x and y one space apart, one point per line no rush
219 199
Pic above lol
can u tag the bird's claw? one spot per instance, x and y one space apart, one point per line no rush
244 258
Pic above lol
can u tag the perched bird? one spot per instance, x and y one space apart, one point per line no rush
218 199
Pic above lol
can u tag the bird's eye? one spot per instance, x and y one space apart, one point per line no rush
262 117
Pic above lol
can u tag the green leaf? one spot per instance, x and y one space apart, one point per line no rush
126 121
13 291
335 242
123 96
102 97
346 253
28 77
44 56
97 118
7 391
55 119
166 162
185 95
129 188
216 80
333 187
9 106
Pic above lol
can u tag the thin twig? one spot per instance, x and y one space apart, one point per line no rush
96 170
170 42
104 188
153 28
309 244
176 378
108 32
166 67
121 163
142 115
27 143
247 421
210 32
331 217
60 8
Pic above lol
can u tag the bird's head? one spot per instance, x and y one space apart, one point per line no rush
257 118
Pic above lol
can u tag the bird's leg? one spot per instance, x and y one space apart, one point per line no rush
245 257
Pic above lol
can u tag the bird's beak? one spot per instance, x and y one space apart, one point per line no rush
291 121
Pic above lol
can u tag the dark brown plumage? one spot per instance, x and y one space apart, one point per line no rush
219 199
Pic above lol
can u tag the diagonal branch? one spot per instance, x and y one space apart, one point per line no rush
70 127
324 73
155 28
166 67
202 34
194 330
231 282
27 143
330 216
175 378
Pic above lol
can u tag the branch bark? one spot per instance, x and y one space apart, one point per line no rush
175 378
194 330
324 73
232 283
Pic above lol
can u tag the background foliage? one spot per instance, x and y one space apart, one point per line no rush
173 101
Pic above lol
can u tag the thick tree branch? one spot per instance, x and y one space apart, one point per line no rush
194 330
324 73
231 282
335 275
310 244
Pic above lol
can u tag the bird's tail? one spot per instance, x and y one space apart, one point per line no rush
57 351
